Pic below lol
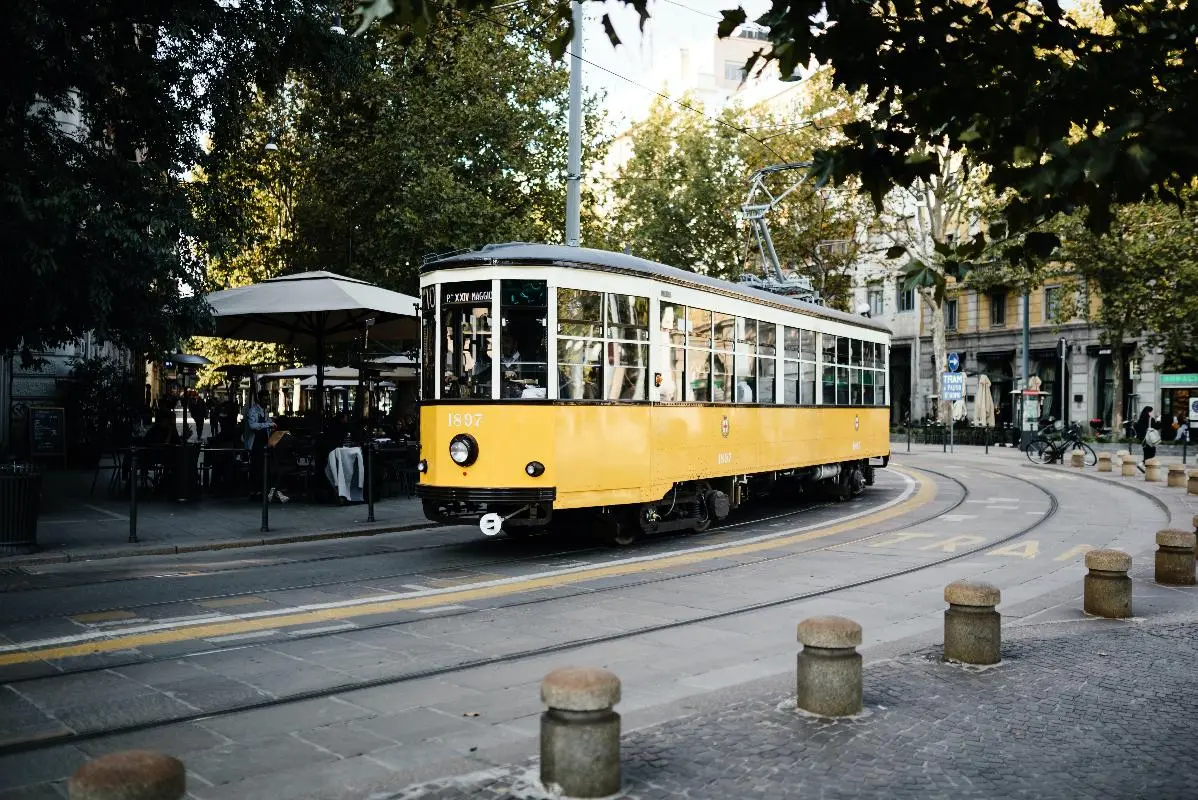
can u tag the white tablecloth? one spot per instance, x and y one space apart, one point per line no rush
346 472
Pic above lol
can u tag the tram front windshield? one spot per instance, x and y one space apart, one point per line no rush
466 339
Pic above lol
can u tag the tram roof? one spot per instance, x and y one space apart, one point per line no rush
552 255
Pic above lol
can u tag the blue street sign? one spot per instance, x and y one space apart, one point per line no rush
954 362
952 385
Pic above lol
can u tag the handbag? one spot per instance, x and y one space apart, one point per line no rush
1152 438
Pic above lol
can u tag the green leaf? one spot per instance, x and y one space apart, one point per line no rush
610 30
1041 244
731 20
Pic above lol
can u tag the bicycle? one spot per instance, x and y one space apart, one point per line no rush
1043 450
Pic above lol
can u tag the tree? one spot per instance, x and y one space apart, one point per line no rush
1065 114
924 221
102 104
676 199
452 139
1145 272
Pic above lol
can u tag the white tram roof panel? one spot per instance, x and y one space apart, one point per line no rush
554 255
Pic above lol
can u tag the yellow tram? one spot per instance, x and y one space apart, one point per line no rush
639 397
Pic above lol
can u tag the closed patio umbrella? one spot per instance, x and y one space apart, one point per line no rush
314 309
983 406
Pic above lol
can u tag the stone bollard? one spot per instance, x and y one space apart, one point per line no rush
580 734
1175 558
829 667
1104 462
1177 476
972 628
1077 459
1192 486
1107 587
129 775
1152 470
1128 465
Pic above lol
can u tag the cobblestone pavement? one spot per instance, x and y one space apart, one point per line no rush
1085 709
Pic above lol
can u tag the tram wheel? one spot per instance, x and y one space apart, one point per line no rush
616 529
648 518
844 485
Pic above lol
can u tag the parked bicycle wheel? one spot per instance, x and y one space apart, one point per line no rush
1089 457
1039 451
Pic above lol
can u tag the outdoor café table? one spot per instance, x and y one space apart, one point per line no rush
346 470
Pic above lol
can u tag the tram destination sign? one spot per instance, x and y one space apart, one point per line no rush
952 385
467 298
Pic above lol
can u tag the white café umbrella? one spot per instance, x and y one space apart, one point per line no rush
314 308
983 405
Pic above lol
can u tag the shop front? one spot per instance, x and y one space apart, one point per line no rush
1179 402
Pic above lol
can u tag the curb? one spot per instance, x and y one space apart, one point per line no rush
170 550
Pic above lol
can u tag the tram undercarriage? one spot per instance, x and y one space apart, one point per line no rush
691 506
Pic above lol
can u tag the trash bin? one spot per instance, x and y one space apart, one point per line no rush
20 496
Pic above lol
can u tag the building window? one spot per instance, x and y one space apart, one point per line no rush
950 315
1052 302
873 296
906 297
998 309
734 71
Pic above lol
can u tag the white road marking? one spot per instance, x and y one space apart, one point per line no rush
902 497
439 609
340 626
109 623
990 500
238 637
957 517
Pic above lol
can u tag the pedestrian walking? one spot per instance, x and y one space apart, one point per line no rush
258 426
1148 435
1183 429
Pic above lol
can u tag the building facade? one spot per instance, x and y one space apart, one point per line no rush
985 329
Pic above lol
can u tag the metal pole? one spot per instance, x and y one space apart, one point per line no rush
1064 413
950 435
133 495
265 489
1025 368
369 480
908 434
574 168
986 434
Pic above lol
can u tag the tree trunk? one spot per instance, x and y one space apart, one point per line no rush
1116 339
944 409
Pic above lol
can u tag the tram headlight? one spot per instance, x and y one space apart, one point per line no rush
463 449
535 469
422 466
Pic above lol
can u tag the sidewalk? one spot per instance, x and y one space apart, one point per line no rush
77 526
1090 708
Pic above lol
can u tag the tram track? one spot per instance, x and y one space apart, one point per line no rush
448 669
533 601
532 557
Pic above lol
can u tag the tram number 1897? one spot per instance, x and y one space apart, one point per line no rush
464 420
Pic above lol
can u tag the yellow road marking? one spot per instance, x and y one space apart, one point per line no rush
103 616
1025 549
950 545
462 580
229 602
925 494
899 538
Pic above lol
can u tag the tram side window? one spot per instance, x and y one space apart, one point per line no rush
790 365
767 343
673 329
828 376
724 330
524 340
428 342
698 355
466 339
580 344
800 368
745 377
627 370
880 388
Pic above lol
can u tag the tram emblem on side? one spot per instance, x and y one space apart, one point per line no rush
725 427
857 422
